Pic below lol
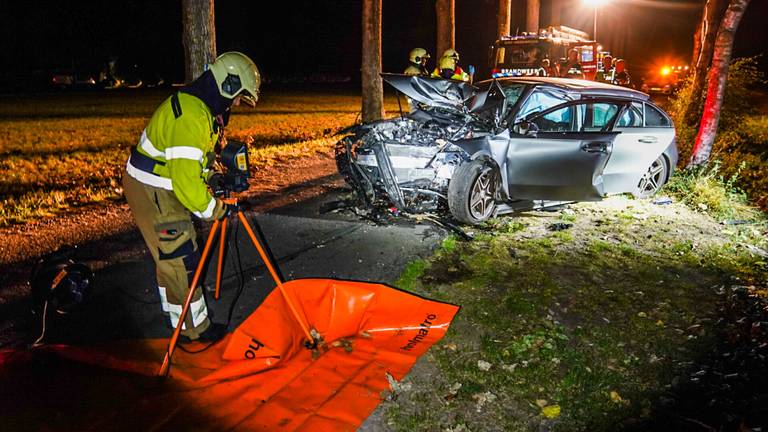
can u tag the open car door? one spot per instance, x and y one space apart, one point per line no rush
559 154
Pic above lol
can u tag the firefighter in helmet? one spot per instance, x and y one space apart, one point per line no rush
621 76
165 181
417 60
448 67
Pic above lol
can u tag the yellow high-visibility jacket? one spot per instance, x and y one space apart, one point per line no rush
175 149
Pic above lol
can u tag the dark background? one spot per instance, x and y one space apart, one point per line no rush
322 37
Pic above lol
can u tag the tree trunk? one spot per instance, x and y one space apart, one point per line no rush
718 75
504 17
703 47
199 36
554 17
446 25
373 89
532 16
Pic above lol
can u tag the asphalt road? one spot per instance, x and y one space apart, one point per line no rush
305 243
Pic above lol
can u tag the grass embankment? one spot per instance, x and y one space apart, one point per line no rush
62 151
631 318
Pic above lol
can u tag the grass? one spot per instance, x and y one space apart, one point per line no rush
591 328
63 151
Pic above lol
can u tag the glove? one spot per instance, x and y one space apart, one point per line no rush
220 211
216 183
471 69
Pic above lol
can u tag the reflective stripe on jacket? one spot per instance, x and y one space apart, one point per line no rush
174 150
457 74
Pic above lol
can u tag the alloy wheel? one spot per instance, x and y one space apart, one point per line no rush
653 179
481 200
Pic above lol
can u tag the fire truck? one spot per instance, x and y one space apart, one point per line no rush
522 54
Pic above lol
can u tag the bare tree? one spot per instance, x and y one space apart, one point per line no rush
717 77
372 87
703 48
199 36
532 15
504 17
446 25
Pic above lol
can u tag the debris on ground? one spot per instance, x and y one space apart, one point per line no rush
483 399
662 200
559 226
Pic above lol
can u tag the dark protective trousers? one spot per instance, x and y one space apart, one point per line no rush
166 226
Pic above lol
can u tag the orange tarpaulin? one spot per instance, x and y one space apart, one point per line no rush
260 377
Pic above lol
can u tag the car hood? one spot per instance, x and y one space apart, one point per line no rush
435 92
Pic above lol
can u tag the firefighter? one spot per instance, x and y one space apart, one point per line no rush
606 74
165 181
621 76
448 67
418 62
571 67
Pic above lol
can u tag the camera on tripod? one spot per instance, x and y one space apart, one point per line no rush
234 159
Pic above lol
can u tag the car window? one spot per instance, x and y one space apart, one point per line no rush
579 117
632 117
540 100
512 94
559 120
599 116
654 118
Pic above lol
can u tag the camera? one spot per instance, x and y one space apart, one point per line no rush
234 159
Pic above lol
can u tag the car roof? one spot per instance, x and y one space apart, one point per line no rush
583 87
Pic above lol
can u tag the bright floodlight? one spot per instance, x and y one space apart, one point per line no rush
594 3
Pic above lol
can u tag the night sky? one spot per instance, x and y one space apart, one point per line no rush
306 37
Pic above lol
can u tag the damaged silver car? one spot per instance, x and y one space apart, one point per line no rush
507 145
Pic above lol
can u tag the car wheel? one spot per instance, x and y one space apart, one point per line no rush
472 192
653 179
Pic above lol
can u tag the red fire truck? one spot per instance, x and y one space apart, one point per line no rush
521 55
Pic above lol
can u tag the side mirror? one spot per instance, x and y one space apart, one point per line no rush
526 128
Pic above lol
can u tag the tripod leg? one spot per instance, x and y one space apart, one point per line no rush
277 280
222 245
166 366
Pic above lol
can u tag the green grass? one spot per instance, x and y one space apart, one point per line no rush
596 320
62 151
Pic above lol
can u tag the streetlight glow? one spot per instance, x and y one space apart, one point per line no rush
595 4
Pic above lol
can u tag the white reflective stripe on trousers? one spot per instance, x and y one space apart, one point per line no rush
197 310
163 298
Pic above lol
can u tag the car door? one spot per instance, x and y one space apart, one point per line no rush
564 159
645 134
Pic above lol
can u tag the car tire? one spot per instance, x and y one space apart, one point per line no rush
472 192
653 179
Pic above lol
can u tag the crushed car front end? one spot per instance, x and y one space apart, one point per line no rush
407 162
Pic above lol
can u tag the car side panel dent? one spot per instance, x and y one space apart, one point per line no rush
492 147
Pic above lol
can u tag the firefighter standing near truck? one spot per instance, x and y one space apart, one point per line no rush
448 67
605 75
417 60
165 181
571 67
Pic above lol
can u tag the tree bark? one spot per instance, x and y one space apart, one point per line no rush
372 87
717 78
555 13
446 25
703 47
532 16
504 17
199 36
